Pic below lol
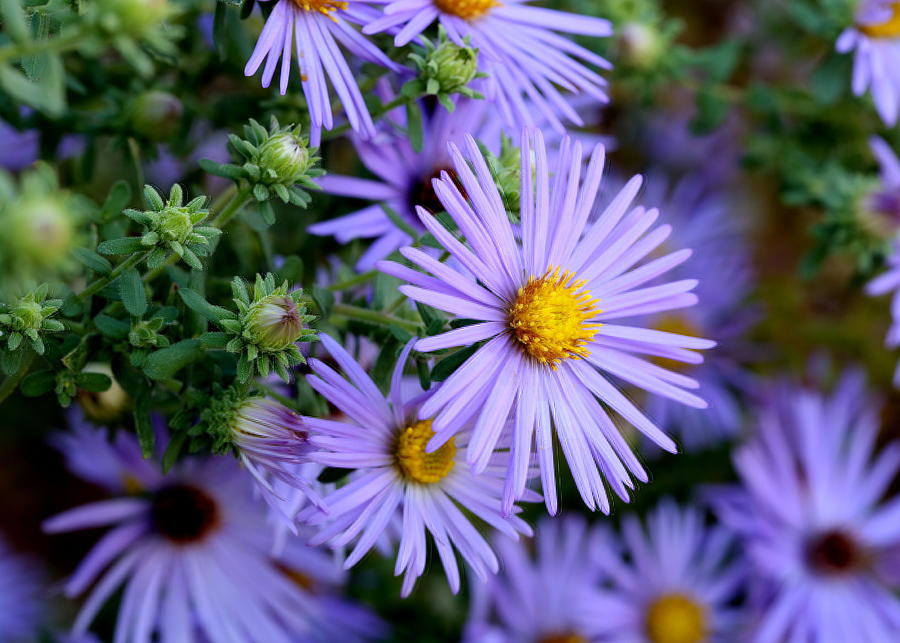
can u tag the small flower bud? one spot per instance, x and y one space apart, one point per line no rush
156 115
133 17
42 229
640 43
286 154
451 67
275 322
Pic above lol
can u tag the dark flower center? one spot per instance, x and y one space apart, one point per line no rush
422 192
833 552
183 513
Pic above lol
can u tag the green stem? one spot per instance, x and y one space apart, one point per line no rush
12 382
62 42
381 111
102 282
373 317
354 281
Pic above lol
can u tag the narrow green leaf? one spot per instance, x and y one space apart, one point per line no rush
123 246
143 425
117 199
197 302
14 23
324 300
92 260
93 382
164 363
414 128
38 383
131 290
446 367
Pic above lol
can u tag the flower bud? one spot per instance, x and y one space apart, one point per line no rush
452 67
175 224
156 115
133 17
286 154
41 228
104 406
640 43
275 322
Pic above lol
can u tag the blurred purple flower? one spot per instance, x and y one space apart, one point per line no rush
317 27
21 596
18 150
876 39
397 481
193 558
545 305
821 543
519 48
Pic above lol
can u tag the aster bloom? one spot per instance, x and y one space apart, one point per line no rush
881 208
193 561
20 596
669 582
553 598
318 27
526 60
810 515
544 308
702 220
404 181
876 39
397 482
885 283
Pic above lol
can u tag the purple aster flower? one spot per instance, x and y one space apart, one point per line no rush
546 307
670 582
876 39
397 482
21 590
882 285
703 221
526 60
18 150
193 560
553 597
405 181
318 27
881 208
822 544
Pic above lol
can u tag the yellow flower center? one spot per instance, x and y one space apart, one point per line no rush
417 465
325 7
888 29
676 618
550 317
466 9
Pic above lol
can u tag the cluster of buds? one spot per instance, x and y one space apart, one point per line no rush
40 223
277 162
28 319
169 227
506 170
267 328
444 69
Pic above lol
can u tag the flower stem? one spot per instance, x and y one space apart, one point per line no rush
373 317
98 284
12 382
354 281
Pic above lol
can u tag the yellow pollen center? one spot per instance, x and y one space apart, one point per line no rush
550 317
466 9
676 618
417 465
888 29
325 7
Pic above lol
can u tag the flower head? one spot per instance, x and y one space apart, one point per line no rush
397 480
546 307
317 27
193 560
524 71
809 512
876 39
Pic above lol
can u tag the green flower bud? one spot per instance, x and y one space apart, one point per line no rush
133 17
451 67
275 322
175 224
641 44
156 115
286 155
28 319
41 229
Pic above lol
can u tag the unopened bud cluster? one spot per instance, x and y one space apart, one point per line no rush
444 69
26 320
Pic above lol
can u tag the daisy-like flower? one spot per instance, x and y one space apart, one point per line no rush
885 283
546 309
396 481
701 220
21 587
876 39
881 207
554 597
318 27
822 544
193 559
672 582
526 60
405 181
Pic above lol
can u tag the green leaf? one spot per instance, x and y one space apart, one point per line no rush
47 95
333 474
227 170
38 383
176 444
163 364
214 340
93 382
92 260
399 221
131 290
14 23
324 300
123 246
112 327
446 367
143 425
414 128
118 197
291 270
197 302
